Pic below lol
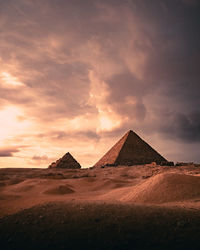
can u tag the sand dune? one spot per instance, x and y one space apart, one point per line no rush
161 188
14 181
61 225
109 184
139 184
59 190
130 202
9 197
24 188
165 188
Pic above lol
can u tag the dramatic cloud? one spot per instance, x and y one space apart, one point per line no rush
75 75
38 160
8 152
184 127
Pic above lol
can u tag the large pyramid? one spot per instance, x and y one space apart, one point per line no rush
130 150
67 161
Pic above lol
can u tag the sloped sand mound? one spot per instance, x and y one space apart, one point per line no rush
60 190
24 188
163 188
59 225
14 181
9 197
110 184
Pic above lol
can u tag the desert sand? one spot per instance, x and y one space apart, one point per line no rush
138 207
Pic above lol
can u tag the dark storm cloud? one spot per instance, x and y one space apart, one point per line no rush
191 2
174 64
123 86
8 151
170 70
15 96
183 127
77 135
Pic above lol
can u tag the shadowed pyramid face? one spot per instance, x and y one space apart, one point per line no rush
130 150
67 161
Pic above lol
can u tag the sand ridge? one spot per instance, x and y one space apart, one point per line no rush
140 207
146 184
60 190
166 187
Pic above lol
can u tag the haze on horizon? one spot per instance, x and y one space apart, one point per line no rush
76 75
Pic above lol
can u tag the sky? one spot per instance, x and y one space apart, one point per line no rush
76 75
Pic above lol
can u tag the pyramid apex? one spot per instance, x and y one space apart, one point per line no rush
67 154
130 131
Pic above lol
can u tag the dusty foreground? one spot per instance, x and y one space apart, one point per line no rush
140 207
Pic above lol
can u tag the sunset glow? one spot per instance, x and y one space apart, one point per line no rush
9 81
76 75
12 121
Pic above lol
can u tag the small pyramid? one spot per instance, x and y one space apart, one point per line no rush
130 150
67 161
